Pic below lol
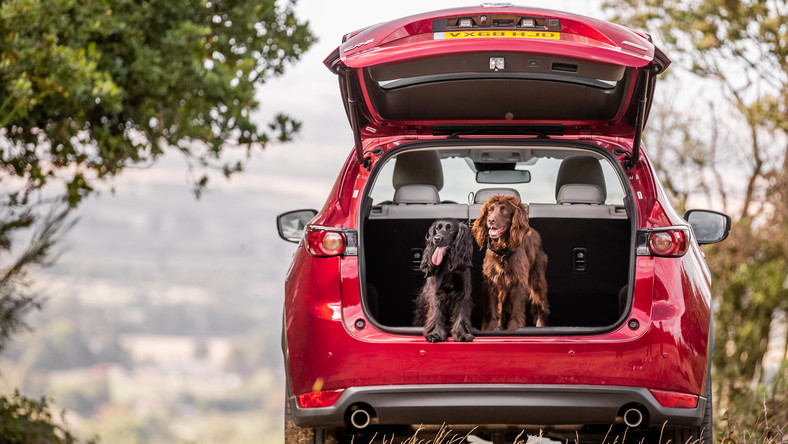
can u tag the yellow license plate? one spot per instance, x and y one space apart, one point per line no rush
509 34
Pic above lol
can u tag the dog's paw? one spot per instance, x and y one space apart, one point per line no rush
438 335
463 337
435 337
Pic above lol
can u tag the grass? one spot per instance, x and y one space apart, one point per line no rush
748 421
769 429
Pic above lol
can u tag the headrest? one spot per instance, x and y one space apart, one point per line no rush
416 194
580 170
418 167
580 194
484 194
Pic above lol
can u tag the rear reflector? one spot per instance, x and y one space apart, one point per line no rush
675 399
319 399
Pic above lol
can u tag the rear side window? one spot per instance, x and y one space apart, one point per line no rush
459 181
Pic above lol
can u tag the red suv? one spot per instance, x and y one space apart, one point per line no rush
449 108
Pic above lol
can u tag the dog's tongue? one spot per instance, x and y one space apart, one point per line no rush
496 232
437 256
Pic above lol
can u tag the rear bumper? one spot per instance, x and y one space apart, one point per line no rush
531 405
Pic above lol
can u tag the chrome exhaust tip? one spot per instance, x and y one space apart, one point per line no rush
633 417
360 419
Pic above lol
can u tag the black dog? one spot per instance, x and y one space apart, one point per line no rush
444 303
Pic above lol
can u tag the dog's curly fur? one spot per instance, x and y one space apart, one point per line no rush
514 265
444 303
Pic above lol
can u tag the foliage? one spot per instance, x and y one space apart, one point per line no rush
688 162
16 298
761 416
24 420
742 47
749 271
90 88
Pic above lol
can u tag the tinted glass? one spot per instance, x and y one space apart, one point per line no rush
459 180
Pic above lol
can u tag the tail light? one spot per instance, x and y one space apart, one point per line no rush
675 399
325 243
325 398
329 241
667 242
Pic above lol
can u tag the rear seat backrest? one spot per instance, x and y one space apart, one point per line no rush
418 168
584 170
484 194
580 192
417 179
576 193
416 194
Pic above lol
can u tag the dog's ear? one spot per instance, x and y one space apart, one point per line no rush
429 247
479 229
520 226
461 249
430 233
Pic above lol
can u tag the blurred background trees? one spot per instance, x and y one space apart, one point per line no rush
88 89
738 161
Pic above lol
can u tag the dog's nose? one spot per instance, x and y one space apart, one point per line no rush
438 238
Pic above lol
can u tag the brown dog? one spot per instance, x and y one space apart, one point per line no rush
514 265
